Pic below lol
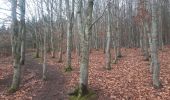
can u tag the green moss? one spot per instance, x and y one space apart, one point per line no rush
75 92
159 86
22 62
90 96
146 59
120 56
114 62
44 78
68 69
35 55
106 68
12 90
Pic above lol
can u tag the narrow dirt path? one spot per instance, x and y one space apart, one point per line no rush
53 88
32 86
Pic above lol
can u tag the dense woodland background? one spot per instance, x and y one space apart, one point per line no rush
110 49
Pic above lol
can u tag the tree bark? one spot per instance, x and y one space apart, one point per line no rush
154 46
22 30
119 54
84 38
108 54
61 33
16 49
51 31
37 55
70 16
145 38
45 30
44 58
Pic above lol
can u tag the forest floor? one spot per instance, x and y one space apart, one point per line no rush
129 79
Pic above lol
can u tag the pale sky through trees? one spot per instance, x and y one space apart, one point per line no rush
5 12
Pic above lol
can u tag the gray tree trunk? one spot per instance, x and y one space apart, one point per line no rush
22 30
16 48
44 76
141 40
108 54
51 30
119 55
145 39
116 43
154 46
161 44
44 56
37 55
70 16
61 33
84 32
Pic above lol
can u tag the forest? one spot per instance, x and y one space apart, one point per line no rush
84 50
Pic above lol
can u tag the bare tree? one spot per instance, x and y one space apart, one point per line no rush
154 46
16 48
61 32
108 54
22 29
84 31
51 30
70 17
45 24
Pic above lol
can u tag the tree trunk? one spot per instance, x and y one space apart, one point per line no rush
16 49
61 43
161 44
119 55
84 43
61 33
108 54
145 38
115 48
22 30
37 55
51 31
154 46
104 45
141 40
45 30
44 56
70 17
